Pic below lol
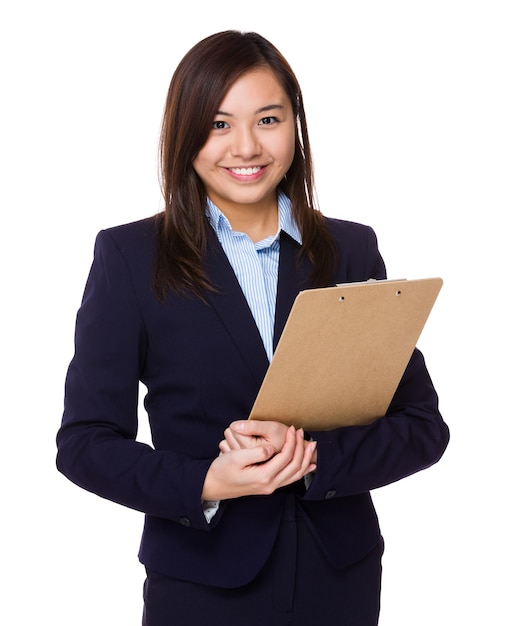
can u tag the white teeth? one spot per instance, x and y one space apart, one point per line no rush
245 171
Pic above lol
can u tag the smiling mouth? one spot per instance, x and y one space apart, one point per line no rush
245 171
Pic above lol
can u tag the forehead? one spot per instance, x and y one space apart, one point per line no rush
258 86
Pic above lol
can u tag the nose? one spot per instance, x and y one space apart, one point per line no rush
245 143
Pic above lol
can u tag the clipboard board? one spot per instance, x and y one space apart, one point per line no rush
343 352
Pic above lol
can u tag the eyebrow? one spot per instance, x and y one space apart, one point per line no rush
268 107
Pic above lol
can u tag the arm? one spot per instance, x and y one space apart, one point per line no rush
352 460
409 438
97 447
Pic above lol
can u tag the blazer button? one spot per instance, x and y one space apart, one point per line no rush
185 521
330 494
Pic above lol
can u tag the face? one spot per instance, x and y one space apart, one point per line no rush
250 147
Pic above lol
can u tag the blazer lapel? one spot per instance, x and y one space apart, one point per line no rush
294 274
230 304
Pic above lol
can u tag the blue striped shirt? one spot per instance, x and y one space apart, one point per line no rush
256 264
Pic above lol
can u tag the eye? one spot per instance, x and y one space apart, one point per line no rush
267 121
220 125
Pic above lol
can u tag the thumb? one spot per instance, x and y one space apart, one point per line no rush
249 427
241 426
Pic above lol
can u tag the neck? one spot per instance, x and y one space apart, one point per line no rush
256 222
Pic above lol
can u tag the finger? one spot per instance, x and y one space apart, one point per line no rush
309 464
252 432
244 441
237 441
231 440
223 446
285 455
300 462
298 452
257 455
245 427
257 428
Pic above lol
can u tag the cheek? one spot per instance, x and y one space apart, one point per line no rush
289 152
200 165
204 158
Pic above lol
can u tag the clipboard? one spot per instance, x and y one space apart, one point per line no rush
343 352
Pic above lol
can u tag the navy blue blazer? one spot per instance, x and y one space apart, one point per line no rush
202 364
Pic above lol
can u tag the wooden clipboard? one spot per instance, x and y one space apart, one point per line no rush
343 352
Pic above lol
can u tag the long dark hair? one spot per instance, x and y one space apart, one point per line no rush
197 87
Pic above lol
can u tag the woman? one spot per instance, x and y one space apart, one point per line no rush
246 522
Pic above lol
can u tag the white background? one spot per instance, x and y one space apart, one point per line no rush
412 108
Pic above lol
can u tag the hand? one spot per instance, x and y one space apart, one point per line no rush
259 470
251 433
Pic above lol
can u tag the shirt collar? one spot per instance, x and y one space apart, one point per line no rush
218 221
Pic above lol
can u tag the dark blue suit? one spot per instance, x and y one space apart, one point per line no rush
203 363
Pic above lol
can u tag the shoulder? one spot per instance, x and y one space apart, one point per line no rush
127 248
127 236
344 229
359 256
351 235
135 242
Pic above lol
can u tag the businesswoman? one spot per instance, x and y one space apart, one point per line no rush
246 523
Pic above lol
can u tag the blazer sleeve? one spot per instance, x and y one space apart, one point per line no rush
410 437
97 447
